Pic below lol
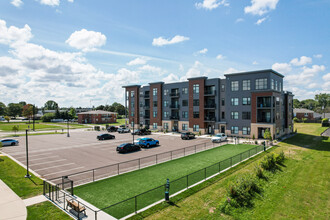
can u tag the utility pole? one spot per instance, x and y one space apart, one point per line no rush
27 155
67 122
33 112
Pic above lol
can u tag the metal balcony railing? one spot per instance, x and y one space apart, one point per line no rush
210 105
209 92
174 106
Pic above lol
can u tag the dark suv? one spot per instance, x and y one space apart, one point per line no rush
187 135
112 128
142 131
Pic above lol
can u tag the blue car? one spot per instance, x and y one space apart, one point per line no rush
147 142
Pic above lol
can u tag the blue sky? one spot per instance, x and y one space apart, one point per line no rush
80 52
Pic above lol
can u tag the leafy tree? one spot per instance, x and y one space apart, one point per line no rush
309 104
57 114
14 109
15 129
28 111
296 103
7 118
50 105
323 99
48 117
2 108
22 103
72 113
267 135
100 107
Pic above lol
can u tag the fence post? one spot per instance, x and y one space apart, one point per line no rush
187 181
44 188
219 166
139 163
195 148
156 158
171 155
64 202
184 151
93 176
231 162
95 215
205 173
240 156
72 188
135 205
118 168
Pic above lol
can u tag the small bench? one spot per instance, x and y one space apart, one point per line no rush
75 206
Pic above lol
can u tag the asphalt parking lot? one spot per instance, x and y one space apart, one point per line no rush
58 155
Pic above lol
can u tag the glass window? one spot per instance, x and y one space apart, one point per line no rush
246 115
246 84
261 83
196 114
234 85
246 101
276 88
222 88
165 103
155 103
154 113
184 90
154 125
280 87
196 102
132 93
196 88
222 102
165 91
165 126
223 115
234 101
234 115
154 91
166 114
246 130
184 102
185 127
184 114
132 114
132 104
196 128
272 84
234 130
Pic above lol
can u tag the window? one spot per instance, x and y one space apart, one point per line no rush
165 91
141 93
196 88
234 101
132 94
246 130
132 124
166 114
196 114
184 90
246 84
222 88
132 114
185 127
234 115
132 104
272 84
277 131
184 114
141 114
246 115
154 113
280 87
165 103
166 126
154 125
246 101
234 130
276 88
184 102
155 103
196 128
223 102
154 91
223 115
306 115
234 85
261 83
196 102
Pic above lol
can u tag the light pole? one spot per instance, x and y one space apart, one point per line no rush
133 130
33 112
27 155
68 134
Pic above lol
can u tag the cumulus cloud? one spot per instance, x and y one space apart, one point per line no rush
171 78
302 61
260 7
17 3
211 4
14 36
50 2
160 41
282 67
313 70
305 77
220 57
319 56
261 20
193 71
230 70
202 51
238 20
326 77
152 69
137 61
86 40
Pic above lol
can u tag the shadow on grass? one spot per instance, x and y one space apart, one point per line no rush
173 204
309 141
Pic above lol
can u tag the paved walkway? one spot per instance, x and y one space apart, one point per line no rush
35 200
11 205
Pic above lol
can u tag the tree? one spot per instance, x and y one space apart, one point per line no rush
2 108
22 103
57 114
72 113
323 99
50 105
15 129
296 103
14 109
100 107
48 117
309 104
28 111
267 135
7 118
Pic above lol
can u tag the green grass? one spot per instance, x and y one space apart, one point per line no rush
23 126
109 191
119 122
35 134
13 175
45 211
300 190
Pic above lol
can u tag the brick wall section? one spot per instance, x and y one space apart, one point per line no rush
95 118
254 96
196 121
158 119
136 117
302 115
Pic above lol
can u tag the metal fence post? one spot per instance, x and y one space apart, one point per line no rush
231 162
187 181
219 166
135 205
93 176
64 202
95 215
205 173
44 188
195 148
118 168
240 156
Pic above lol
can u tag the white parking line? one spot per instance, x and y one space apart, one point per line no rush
43 158
24 155
47 162
63 171
53 167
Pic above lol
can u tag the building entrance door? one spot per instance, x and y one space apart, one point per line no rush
222 129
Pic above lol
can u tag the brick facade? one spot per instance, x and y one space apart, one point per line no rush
196 121
158 119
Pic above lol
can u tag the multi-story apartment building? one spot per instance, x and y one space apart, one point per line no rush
243 104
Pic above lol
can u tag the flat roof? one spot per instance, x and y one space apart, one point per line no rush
128 86
97 112
256 71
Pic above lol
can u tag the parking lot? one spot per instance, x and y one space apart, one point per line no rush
58 155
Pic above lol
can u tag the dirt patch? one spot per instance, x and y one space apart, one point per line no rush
212 210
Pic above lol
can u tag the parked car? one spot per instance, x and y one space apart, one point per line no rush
137 141
127 147
219 137
147 142
9 142
187 135
112 128
123 130
105 136
142 131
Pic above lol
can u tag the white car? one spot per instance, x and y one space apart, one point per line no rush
123 130
9 142
219 137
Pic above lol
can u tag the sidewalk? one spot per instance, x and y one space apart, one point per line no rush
11 205
35 200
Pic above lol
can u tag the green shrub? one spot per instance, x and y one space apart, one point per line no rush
325 120
97 128
280 158
304 120
295 119
256 142
253 137
295 131
48 117
269 163
259 172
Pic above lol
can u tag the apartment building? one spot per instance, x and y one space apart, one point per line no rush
242 104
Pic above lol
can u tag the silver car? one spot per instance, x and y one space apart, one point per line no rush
9 142
123 130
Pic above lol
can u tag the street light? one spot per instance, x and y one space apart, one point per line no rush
27 155
68 134
133 130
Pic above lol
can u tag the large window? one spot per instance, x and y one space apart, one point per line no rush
223 115
246 130
184 114
246 115
276 88
154 91
246 101
154 113
196 128
185 127
166 114
184 90
132 94
222 88
132 104
196 102
165 91
234 85
272 85
234 101
155 103
132 114
184 102
234 130
154 125
280 87
246 84
223 102
196 88
261 83
234 115
166 126
196 114
165 103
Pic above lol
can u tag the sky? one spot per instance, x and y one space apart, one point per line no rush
80 52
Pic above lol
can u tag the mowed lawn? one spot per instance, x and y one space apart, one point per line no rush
301 190
22 126
109 191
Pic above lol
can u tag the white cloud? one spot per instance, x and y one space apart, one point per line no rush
282 67
313 71
152 69
239 20
193 71
14 36
220 57
160 41
17 3
203 51
211 4
260 7
86 40
326 77
137 61
319 56
306 77
171 78
326 87
313 86
303 61
71 1
230 70
50 2
255 63
261 20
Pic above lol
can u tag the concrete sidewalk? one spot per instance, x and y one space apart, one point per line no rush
11 205
35 200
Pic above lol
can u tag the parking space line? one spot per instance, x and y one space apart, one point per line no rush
63 171
53 167
43 158
24 155
47 162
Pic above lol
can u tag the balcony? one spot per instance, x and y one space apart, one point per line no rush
175 94
146 116
209 92
174 106
210 118
174 117
210 105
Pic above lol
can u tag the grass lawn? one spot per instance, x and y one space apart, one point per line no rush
45 211
119 122
112 190
301 190
35 134
13 175
23 126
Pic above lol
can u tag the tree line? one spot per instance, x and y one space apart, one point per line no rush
320 103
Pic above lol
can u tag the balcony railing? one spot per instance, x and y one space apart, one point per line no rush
210 105
174 117
146 96
146 116
174 106
209 92
174 94
209 118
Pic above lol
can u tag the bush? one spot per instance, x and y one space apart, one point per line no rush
253 137
295 119
97 128
325 120
48 117
259 172
304 120
119 117
256 142
269 163
295 131
280 158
